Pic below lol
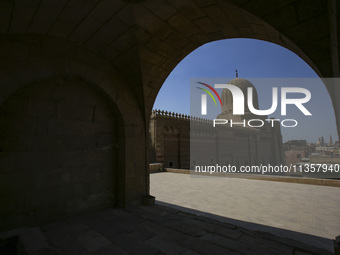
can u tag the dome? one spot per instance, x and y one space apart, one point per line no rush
227 100
243 84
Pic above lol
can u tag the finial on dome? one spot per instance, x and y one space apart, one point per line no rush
236 73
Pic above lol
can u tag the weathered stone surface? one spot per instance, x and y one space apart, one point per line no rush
57 158
98 233
92 240
110 249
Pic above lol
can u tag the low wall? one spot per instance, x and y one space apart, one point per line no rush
155 167
301 180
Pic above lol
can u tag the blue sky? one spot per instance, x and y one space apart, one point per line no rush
253 59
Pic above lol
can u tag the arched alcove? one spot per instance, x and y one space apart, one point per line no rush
59 141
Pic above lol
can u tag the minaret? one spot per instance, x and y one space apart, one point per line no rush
330 141
322 141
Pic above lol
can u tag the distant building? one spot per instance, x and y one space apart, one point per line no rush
321 160
295 156
295 151
170 136
330 143
170 139
292 144
326 154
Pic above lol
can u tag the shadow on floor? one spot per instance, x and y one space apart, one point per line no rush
160 229
316 241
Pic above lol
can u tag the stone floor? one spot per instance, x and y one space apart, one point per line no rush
303 208
153 230
201 216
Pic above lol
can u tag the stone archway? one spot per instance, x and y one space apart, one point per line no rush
128 48
38 60
59 141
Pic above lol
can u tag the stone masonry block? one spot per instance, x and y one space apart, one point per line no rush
164 31
73 110
146 19
189 9
206 25
152 57
177 40
182 24
161 9
43 108
92 240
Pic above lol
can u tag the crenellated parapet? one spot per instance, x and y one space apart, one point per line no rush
179 116
169 114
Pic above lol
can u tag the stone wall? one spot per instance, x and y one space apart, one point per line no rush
59 141
32 61
170 139
181 141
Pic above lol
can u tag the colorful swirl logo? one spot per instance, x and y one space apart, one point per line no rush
209 93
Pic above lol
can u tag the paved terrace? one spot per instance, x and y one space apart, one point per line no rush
151 230
273 206
167 230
